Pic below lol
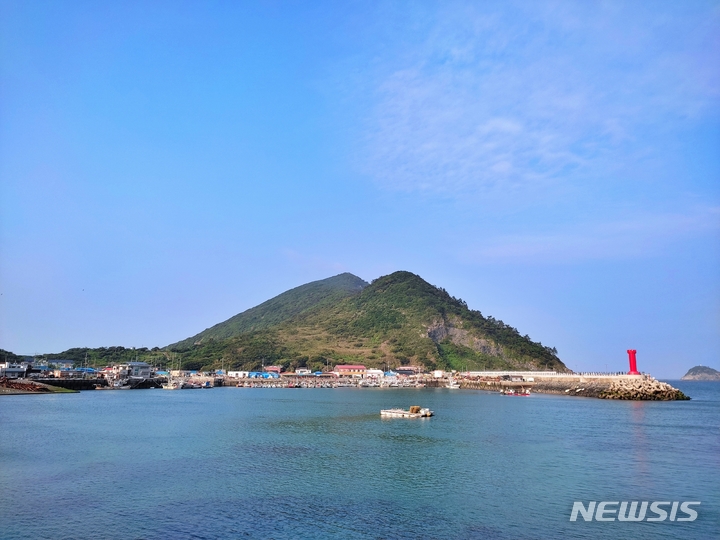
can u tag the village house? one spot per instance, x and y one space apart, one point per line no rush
132 369
350 370
12 370
63 364
68 374
273 369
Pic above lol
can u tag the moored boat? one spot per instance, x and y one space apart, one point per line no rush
414 412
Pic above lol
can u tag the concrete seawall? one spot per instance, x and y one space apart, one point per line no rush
73 384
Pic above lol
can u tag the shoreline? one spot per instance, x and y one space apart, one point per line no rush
617 387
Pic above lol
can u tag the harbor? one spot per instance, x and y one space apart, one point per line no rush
309 461
602 386
631 385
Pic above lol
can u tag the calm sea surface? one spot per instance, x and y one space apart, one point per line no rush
320 463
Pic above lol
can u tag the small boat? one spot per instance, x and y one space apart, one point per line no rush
414 412
122 384
113 387
452 384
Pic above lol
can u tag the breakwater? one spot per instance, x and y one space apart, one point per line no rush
645 389
636 388
626 387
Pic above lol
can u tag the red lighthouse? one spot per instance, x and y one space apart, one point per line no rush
633 362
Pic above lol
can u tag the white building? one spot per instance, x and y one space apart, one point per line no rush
12 371
133 369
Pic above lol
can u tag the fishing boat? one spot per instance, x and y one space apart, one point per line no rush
118 385
452 384
414 412
172 385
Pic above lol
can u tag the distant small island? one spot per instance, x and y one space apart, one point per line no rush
702 373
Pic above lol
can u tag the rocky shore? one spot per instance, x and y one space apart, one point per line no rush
640 389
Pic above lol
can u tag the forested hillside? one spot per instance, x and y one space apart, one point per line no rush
399 319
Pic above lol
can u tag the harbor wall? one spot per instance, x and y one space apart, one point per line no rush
630 387
73 384
625 387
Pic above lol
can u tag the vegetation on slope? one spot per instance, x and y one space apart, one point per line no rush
104 356
282 308
397 320
7 356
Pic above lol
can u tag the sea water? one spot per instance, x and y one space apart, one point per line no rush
321 463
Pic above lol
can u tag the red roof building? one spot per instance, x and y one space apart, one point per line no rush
351 370
273 369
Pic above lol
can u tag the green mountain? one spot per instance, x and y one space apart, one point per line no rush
399 319
701 373
280 309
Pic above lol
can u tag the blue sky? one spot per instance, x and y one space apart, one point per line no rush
166 165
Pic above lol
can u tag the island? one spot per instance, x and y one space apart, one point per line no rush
701 373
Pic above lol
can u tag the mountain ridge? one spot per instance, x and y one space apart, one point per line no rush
280 308
397 319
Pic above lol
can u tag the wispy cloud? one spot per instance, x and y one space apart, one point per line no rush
637 237
521 97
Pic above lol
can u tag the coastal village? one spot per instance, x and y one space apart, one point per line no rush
28 377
